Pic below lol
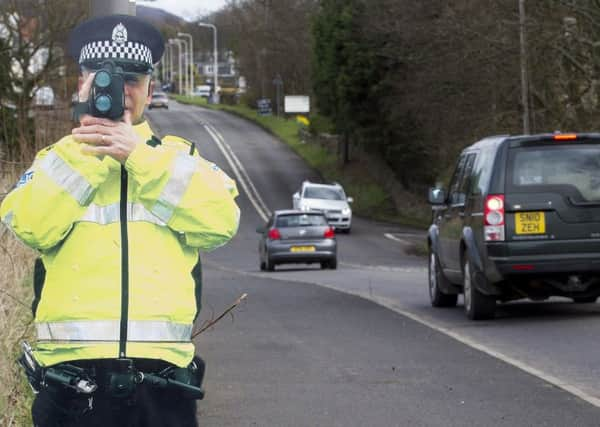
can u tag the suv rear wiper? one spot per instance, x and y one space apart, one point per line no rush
586 204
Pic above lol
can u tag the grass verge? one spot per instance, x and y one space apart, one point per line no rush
16 264
370 200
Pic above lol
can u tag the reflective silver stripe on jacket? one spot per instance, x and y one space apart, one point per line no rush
67 178
111 213
183 168
109 330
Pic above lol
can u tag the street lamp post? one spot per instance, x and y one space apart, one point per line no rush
178 43
216 62
164 65
186 65
191 59
171 65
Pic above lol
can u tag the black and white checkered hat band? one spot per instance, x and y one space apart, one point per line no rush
108 49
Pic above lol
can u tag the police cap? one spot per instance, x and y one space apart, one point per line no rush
131 43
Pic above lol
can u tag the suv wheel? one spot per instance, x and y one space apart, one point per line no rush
263 266
437 278
478 306
333 264
584 300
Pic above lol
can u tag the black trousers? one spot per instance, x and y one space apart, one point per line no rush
57 406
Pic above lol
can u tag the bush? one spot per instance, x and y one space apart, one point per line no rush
320 124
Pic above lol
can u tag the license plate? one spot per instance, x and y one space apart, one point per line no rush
530 223
302 249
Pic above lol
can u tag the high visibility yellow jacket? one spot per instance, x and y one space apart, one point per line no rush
116 287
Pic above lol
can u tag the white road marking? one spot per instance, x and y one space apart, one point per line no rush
240 173
433 324
396 239
385 268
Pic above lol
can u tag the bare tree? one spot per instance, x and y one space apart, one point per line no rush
271 38
33 32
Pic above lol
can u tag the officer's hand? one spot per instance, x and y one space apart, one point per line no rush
86 86
107 137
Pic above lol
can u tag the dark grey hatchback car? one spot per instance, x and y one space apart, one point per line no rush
293 236
520 219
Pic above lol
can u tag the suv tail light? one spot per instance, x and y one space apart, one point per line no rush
493 218
329 233
274 234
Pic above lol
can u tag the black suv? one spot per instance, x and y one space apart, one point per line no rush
520 219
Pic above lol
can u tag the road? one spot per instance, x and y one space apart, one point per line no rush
361 346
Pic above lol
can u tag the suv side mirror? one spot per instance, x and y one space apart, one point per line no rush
349 199
437 196
296 195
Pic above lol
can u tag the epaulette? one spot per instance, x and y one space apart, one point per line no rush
173 140
44 151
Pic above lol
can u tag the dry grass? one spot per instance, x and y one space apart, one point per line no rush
16 266
16 262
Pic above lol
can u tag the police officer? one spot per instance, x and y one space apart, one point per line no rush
118 216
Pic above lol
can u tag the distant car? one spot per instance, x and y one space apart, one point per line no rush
159 100
292 236
203 91
327 198
519 219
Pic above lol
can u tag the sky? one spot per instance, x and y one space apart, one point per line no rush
187 9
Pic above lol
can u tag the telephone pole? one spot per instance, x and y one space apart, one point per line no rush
524 80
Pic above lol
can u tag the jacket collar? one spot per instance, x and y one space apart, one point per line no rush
143 129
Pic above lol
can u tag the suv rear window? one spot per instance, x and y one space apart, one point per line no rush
575 166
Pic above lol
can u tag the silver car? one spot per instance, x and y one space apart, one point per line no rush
159 100
292 236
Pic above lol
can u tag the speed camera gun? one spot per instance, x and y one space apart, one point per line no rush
107 94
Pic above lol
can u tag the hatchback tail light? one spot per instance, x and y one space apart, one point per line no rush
274 234
329 233
493 218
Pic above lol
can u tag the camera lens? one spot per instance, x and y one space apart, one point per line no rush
102 79
103 103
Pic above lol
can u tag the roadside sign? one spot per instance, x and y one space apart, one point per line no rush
263 106
297 104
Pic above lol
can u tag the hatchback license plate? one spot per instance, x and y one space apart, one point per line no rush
530 223
302 249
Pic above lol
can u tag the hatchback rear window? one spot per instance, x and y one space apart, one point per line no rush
301 220
572 167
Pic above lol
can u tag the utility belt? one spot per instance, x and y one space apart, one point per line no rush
118 378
